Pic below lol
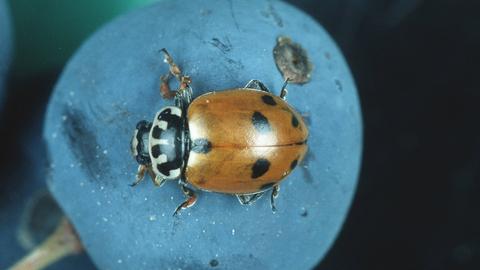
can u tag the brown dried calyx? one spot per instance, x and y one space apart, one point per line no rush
292 61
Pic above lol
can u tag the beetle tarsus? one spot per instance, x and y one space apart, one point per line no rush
284 91
189 202
275 191
158 180
256 84
174 69
248 199
140 175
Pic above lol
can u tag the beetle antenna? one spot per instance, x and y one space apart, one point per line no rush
283 92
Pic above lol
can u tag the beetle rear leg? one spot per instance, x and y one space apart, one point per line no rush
248 199
189 202
275 191
256 84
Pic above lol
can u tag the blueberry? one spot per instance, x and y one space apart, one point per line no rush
112 82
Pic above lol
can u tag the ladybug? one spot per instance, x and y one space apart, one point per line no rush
240 141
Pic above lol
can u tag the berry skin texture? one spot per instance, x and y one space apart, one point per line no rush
112 82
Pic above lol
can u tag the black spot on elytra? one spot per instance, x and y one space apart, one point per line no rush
267 186
260 122
155 151
156 132
269 100
213 263
81 137
201 146
294 121
260 167
293 164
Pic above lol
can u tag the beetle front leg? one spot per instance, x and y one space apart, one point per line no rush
140 175
175 71
189 202
165 90
275 191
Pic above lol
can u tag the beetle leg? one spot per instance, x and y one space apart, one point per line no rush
185 81
158 180
275 191
248 199
183 98
283 92
175 71
256 84
140 175
165 90
150 172
189 202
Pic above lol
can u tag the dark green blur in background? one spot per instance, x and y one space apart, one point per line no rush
47 32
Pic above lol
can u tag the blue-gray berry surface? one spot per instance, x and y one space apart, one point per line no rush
112 82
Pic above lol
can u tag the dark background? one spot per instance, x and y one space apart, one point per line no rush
414 63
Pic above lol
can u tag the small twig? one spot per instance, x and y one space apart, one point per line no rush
61 243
